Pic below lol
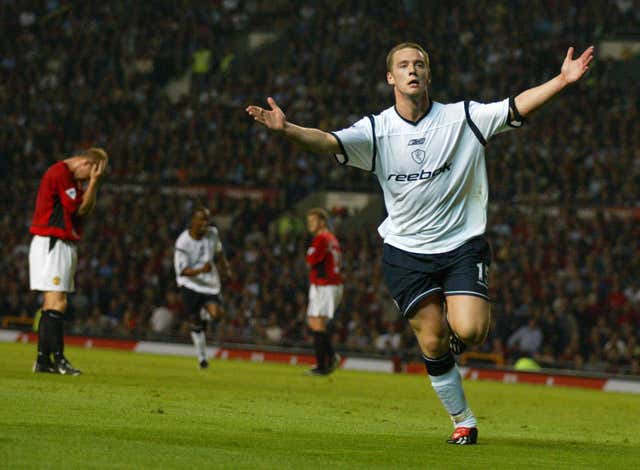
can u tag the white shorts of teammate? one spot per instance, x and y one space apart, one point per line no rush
324 300
52 268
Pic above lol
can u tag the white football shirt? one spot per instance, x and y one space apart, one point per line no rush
191 253
432 172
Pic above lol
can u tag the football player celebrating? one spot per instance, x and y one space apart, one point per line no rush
429 160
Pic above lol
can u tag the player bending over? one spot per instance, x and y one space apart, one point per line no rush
67 194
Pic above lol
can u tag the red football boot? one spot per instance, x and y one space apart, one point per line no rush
464 436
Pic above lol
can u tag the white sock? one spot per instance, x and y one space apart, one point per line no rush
448 387
200 342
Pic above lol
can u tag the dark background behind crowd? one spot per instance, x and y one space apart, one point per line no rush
163 88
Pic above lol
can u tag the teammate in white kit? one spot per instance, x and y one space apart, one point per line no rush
196 252
429 160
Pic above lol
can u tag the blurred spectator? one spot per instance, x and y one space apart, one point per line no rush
162 319
564 223
526 340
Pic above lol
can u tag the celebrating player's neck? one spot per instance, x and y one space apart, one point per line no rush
411 107
196 233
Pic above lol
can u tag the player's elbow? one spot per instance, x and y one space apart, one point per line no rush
331 145
84 211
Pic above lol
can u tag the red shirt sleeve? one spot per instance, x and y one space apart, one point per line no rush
68 191
318 250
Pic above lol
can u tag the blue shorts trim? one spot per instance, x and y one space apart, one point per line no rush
420 297
466 292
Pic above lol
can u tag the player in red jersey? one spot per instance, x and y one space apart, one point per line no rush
66 195
324 258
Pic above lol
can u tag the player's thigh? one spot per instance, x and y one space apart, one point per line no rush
213 306
469 317
317 323
55 300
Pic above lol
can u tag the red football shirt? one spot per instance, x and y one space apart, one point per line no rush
324 257
59 197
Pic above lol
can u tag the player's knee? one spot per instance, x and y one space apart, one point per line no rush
473 333
432 345
58 304
316 324
198 326
215 311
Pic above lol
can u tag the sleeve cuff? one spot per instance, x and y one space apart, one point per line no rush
341 158
514 119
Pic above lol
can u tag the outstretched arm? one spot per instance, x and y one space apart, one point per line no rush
571 71
308 138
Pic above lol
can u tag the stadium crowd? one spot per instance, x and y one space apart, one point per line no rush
164 89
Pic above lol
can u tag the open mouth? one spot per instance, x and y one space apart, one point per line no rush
414 82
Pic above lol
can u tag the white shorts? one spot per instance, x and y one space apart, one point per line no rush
52 269
324 300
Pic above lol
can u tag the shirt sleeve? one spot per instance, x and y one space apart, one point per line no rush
70 196
357 144
490 118
217 245
180 259
317 251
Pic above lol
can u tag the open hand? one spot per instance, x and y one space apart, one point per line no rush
97 170
573 69
273 119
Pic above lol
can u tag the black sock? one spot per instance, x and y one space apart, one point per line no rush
319 345
328 347
440 365
44 352
54 332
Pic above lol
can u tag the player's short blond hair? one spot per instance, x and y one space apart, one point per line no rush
319 212
406 45
96 154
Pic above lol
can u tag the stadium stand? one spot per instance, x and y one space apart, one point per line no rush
164 89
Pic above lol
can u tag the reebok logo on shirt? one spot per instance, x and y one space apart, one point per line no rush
423 175
71 192
416 142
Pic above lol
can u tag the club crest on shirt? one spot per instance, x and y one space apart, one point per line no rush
418 156
56 281
71 192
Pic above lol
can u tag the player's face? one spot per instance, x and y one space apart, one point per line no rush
313 224
409 73
83 170
199 223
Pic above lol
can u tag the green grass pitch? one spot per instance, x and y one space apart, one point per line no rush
146 411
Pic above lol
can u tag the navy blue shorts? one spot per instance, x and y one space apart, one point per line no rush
194 301
412 277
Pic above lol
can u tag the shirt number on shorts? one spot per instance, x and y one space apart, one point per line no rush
483 274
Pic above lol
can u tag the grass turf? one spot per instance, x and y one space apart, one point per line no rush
141 411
